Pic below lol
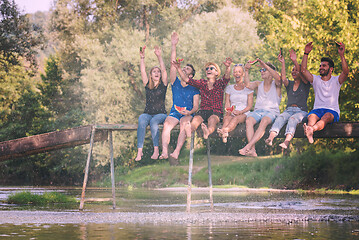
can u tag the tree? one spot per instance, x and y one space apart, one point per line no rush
291 24
16 39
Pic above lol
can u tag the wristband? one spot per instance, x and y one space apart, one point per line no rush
306 53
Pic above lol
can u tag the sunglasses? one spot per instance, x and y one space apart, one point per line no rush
238 65
262 70
210 68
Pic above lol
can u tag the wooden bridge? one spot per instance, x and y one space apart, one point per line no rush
82 135
102 132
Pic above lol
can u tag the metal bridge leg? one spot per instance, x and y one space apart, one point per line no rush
210 174
87 169
112 170
189 188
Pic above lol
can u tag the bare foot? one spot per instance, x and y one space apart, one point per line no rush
156 153
269 142
308 130
139 157
284 145
243 151
164 156
154 156
251 153
205 131
224 137
174 155
220 132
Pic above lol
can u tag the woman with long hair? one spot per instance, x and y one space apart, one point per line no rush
155 112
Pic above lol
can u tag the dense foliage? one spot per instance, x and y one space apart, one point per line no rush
90 72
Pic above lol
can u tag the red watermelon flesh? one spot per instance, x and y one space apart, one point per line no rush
230 109
253 62
180 109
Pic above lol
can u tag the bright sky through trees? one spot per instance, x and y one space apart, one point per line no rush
32 6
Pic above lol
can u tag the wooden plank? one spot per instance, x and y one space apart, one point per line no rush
48 142
125 127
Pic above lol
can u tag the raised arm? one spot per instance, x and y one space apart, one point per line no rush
143 67
182 75
303 69
345 69
158 53
293 57
283 76
275 75
173 70
247 82
228 64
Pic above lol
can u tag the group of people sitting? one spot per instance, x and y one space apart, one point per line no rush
200 102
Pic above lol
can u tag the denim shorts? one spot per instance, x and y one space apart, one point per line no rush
260 113
176 115
321 111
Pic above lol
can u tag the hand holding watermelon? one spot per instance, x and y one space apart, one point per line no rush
179 60
142 51
253 62
181 110
230 109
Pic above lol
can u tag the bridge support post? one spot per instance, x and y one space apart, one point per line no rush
189 188
112 170
210 174
87 169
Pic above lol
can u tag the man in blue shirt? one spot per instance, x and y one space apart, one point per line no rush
183 96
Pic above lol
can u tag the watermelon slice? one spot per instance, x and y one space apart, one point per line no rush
230 109
338 43
142 48
180 109
179 60
253 62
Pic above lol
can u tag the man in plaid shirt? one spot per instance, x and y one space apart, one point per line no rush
211 90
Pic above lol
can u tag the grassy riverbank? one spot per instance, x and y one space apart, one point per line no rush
310 170
40 199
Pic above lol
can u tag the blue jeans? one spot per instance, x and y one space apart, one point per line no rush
153 120
292 115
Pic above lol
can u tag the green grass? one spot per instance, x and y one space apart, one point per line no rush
309 170
37 199
155 175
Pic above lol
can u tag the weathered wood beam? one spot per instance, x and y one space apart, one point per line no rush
48 141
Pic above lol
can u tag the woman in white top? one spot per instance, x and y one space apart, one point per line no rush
240 99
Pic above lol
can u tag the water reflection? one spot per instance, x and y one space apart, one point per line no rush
261 230
143 200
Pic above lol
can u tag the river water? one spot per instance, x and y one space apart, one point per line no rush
160 214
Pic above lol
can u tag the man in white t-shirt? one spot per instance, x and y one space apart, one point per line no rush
326 89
